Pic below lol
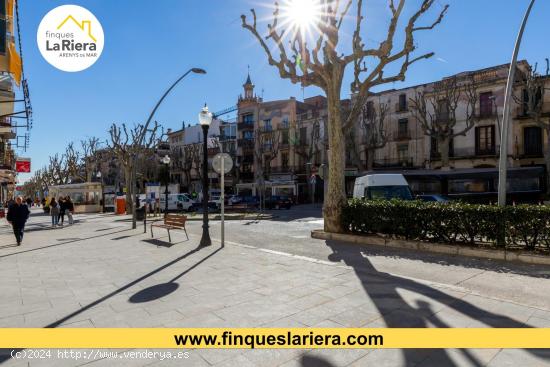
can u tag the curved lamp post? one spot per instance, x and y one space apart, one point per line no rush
146 127
205 119
503 159
166 161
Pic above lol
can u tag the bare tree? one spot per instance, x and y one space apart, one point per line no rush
266 149
128 144
436 111
374 134
324 66
57 170
90 158
532 102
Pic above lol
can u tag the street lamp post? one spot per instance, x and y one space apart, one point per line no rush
166 162
100 176
205 119
503 159
141 138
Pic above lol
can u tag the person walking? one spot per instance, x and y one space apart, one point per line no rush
70 209
62 209
54 212
29 202
18 214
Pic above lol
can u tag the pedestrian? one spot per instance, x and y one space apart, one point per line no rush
54 212
29 202
70 209
43 202
18 214
62 209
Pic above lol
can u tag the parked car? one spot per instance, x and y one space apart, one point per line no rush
177 202
382 186
2 212
243 202
434 198
278 202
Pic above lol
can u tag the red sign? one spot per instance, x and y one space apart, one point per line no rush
23 165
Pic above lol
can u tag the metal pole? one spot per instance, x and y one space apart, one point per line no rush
166 193
503 160
205 239
222 198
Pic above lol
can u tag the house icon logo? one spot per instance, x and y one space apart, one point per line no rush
70 38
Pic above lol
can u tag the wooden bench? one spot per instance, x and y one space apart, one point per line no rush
171 221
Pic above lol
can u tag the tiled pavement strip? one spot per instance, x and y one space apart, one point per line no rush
90 275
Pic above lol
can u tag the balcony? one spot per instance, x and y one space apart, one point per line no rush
245 126
486 113
467 153
400 108
394 163
401 135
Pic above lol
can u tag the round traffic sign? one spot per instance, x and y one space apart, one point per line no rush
227 163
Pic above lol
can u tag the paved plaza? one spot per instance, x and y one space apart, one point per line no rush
100 273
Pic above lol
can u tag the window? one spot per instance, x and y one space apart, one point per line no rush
403 152
248 135
532 141
402 103
267 125
485 140
486 104
370 109
303 136
434 149
442 111
284 160
285 136
284 124
248 119
403 128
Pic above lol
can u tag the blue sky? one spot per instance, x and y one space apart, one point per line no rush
149 44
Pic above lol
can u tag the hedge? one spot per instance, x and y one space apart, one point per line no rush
521 226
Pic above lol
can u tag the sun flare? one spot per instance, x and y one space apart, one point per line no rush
302 14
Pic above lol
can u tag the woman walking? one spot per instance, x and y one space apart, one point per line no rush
54 212
62 209
70 209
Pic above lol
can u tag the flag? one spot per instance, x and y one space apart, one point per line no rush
14 63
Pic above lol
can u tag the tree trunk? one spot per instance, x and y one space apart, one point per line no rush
547 160
336 196
128 184
370 159
443 143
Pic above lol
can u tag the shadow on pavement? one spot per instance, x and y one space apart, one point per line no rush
140 296
535 271
311 361
396 312
63 243
161 290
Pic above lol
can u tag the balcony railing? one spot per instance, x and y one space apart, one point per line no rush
486 113
467 153
245 126
394 163
401 135
399 108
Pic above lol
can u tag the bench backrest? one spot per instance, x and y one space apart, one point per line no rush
175 220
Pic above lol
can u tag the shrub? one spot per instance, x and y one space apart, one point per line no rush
522 226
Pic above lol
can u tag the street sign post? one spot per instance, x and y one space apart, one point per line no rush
222 164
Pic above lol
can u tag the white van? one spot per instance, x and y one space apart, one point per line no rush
382 186
177 202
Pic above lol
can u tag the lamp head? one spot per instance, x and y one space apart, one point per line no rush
205 116
198 71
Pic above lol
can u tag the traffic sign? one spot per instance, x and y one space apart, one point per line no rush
227 163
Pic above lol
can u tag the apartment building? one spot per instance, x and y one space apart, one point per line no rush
474 143
279 143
